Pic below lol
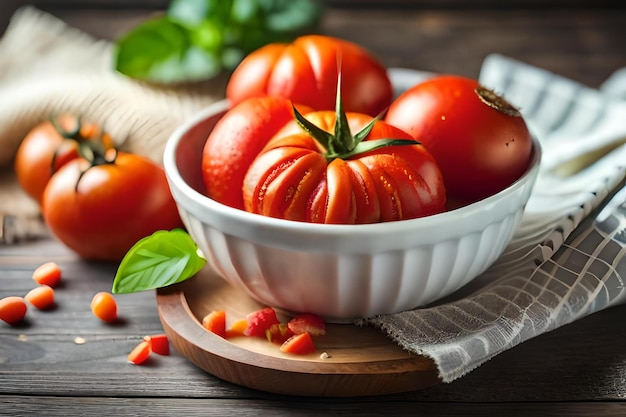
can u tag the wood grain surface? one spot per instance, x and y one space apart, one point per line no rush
577 370
360 361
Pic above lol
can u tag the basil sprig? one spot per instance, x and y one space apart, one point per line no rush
159 260
197 39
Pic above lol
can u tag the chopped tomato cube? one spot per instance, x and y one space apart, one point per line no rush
299 344
47 274
307 323
215 322
158 343
278 333
238 328
12 309
260 321
140 353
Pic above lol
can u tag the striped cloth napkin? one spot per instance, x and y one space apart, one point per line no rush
567 260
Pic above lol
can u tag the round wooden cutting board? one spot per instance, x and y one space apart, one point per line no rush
357 361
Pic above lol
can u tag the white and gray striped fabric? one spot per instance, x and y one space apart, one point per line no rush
563 263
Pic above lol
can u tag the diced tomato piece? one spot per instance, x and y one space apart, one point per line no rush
238 328
41 297
215 322
159 343
260 321
12 309
307 323
140 353
278 333
299 344
48 273
104 306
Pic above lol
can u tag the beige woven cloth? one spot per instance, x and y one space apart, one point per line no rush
47 66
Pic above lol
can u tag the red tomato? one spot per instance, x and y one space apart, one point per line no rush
236 140
47 147
306 72
100 212
297 178
480 141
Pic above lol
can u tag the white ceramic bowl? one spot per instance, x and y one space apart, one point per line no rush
341 272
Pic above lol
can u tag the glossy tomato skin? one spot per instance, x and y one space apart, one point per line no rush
43 151
112 207
236 140
480 148
306 72
292 179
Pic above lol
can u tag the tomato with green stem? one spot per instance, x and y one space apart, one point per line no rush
306 70
480 141
315 170
101 205
50 145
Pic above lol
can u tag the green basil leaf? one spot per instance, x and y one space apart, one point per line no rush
197 39
161 259
151 43
208 35
160 50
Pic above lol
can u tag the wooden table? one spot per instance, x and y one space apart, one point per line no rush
577 370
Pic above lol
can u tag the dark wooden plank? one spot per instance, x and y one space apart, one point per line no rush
386 4
61 406
584 45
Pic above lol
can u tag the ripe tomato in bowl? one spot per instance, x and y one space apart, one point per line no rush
340 271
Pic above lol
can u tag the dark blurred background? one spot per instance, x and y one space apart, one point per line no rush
347 3
433 35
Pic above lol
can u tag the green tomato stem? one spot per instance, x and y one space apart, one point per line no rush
342 143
